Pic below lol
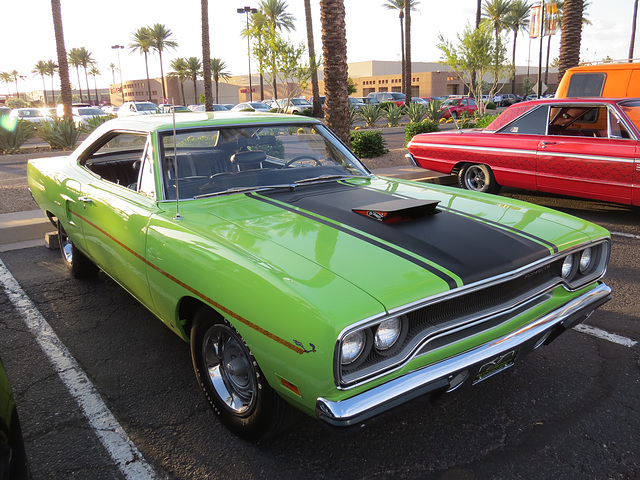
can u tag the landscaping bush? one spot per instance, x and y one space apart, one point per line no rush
433 110
14 133
425 126
416 112
386 105
368 144
59 133
393 114
93 123
490 106
485 120
370 114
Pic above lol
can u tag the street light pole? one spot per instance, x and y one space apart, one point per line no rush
118 48
247 11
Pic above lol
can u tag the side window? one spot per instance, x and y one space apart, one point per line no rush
532 123
586 84
116 158
617 128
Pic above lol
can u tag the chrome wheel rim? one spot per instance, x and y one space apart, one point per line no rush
67 247
475 178
229 368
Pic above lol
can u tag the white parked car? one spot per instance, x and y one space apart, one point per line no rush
33 115
137 108
82 114
257 106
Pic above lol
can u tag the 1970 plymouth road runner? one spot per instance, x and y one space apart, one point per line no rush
301 279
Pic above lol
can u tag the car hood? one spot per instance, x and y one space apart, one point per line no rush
387 239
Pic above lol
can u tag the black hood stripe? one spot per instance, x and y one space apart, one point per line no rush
470 248
451 282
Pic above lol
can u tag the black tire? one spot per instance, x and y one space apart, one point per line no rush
233 382
77 263
478 178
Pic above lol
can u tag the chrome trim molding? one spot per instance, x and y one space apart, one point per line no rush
360 407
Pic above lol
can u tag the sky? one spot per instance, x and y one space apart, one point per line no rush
373 33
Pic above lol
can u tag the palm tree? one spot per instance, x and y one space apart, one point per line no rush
218 71
256 24
16 76
206 54
180 72
518 19
52 69
63 66
76 62
633 29
7 78
86 61
572 20
40 68
159 35
317 106
94 72
400 6
194 70
334 48
495 13
274 11
142 42
112 67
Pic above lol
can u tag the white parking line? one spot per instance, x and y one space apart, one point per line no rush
603 334
123 452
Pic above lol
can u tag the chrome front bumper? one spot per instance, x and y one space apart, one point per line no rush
462 369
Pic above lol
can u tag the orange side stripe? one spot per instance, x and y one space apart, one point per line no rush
200 295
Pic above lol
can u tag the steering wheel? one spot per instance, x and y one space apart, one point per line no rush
302 157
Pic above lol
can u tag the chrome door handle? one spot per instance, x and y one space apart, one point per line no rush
84 199
544 144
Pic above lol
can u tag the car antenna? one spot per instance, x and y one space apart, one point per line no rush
175 161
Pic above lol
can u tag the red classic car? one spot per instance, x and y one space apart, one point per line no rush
582 147
456 106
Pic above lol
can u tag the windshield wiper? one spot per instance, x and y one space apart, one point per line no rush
231 190
322 178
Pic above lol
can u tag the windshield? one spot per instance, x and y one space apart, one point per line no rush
632 109
145 107
218 161
90 111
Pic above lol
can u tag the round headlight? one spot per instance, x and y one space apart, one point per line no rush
567 266
585 260
387 333
352 347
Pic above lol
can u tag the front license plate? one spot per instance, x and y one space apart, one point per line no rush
496 365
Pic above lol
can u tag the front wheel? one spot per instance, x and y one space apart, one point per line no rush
479 178
232 381
77 262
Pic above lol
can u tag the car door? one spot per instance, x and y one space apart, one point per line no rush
582 156
116 212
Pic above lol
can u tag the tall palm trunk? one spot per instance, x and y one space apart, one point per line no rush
633 29
571 36
79 84
334 47
206 56
44 90
146 66
513 62
407 51
403 59
63 65
86 79
317 106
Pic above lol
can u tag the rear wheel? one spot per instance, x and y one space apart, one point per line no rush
479 178
232 380
77 263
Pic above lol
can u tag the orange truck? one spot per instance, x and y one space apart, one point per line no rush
612 80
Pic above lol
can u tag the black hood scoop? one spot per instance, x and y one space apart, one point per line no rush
398 210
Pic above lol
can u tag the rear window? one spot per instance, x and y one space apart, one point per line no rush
586 84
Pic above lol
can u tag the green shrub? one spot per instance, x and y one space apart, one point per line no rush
354 116
416 112
484 121
307 112
433 110
59 133
394 114
14 133
370 114
386 105
490 106
93 123
425 126
368 144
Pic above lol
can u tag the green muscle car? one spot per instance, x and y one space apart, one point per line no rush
301 279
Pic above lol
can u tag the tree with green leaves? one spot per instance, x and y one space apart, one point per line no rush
218 72
7 78
277 17
474 57
63 66
194 70
76 62
518 20
51 70
86 61
180 71
142 42
334 48
496 14
40 68
94 72
160 34
257 23
206 55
